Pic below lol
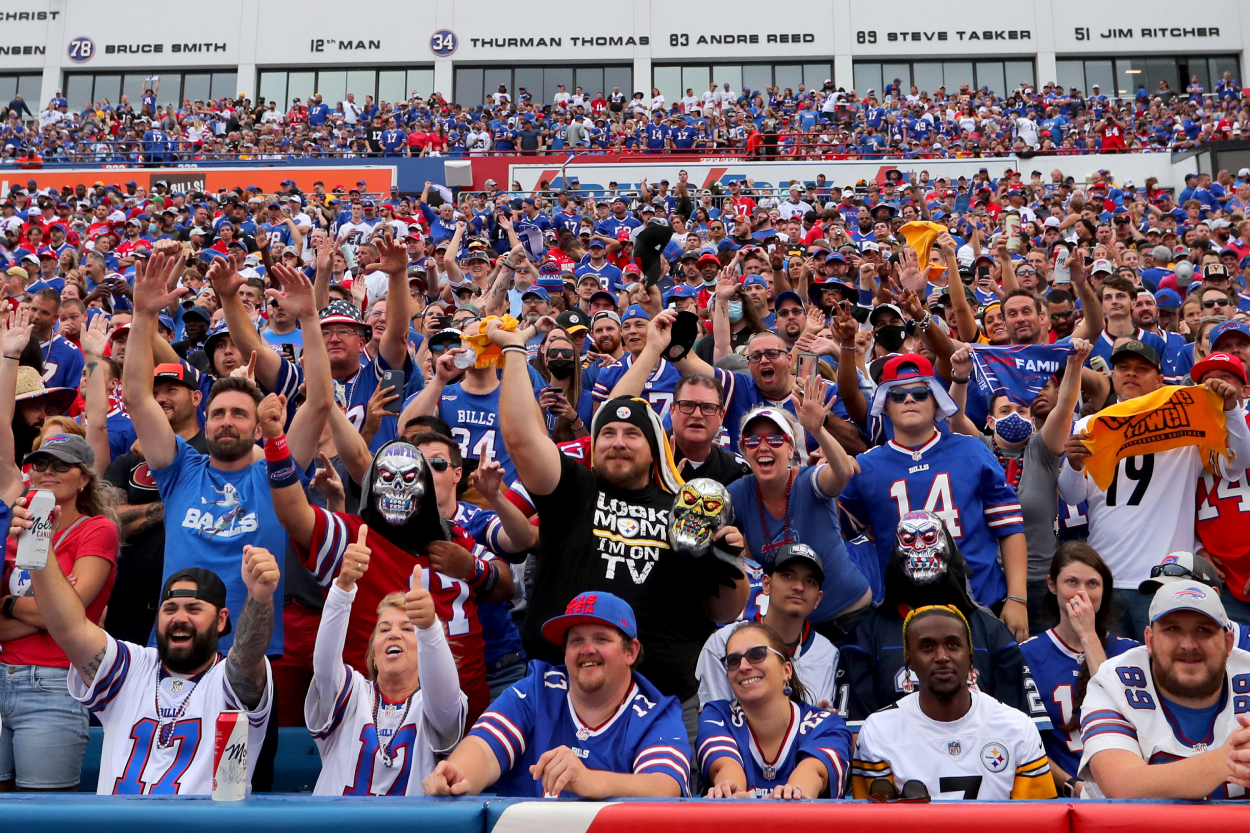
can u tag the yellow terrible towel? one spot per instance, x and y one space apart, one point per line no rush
1171 417
921 236
487 353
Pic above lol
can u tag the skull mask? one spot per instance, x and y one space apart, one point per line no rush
921 542
400 483
701 509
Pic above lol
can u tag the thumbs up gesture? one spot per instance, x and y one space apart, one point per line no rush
355 561
418 603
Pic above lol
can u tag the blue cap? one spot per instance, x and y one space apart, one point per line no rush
529 201
755 280
604 293
633 312
165 321
1168 299
1221 330
593 607
684 290
727 245
788 295
835 257
539 291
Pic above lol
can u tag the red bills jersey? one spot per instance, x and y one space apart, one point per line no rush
1221 523
390 571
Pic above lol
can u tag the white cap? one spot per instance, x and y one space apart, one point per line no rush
1051 222
1102 266
1188 595
1244 172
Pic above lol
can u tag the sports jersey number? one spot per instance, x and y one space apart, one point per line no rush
186 735
641 705
459 624
970 784
1241 694
1062 697
483 451
1137 469
1135 687
404 739
660 402
356 416
1224 490
939 502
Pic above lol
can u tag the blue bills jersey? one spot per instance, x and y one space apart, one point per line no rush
813 733
62 363
955 477
1055 666
474 421
645 735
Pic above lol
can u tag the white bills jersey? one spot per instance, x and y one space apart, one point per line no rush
170 753
993 752
1123 710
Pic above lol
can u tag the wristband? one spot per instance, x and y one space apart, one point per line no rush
485 576
960 380
1018 599
276 449
6 607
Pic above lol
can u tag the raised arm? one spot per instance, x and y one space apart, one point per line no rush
812 410
496 301
297 298
1058 426
393 259
454 275
351 446
324 269
245 664
151 425
1092 322
95 390
536 457
226 281
1006 266
516 534
961 377
15 329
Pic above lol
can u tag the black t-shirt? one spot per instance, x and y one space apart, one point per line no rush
617 541
375 139
141 561
721 465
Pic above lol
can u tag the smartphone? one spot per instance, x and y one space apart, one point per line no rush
807 366
394 379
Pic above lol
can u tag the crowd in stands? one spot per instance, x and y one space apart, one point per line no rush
895 490
802 123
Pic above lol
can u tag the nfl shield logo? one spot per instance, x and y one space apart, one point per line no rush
953 748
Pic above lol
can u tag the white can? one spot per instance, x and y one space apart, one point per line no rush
230 756
1011 228
33 544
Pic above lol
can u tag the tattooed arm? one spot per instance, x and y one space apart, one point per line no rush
245 665
95 392
496 301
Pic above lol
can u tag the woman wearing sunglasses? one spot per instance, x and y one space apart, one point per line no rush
45 728
568 409
767 742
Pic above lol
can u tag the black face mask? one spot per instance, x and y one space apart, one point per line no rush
890 337
562 368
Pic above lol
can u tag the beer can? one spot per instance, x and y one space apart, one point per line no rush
33 544
230 756
1011 228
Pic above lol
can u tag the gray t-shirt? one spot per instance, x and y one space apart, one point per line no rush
1039 501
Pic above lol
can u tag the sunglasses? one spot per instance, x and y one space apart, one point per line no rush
438 463
560 353
1172 571
920 394
883 790
1216 302
688 406
788 312
58 466
754 656
1059 316
754 440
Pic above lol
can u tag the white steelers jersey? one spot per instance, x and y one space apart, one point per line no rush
1123 710
392 755
142 754
993 753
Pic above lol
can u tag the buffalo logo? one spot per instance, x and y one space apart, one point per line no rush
994 756
1171 559
1189 593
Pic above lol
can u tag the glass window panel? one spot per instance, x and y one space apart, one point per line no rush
531 78
108 87
333 86
620 76
132 87
273 88
928 76
422 82
667 80
553 77
868 77
1101 73
814 75
956 74
362 82
990 74
468 87
1068 74
493 79
590 79
755 77
1219 66
1163 69
697 79
28 87
896 72
197 86
1130 75
300 85
225 84
788 75
8 89
78 92
171 85
1199 67
392 86
732 74
1017 73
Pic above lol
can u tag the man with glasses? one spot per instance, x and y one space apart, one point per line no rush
1063 315
791 318
1218 301
698 414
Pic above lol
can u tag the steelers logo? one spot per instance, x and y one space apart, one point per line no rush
995 756
622 413
628 527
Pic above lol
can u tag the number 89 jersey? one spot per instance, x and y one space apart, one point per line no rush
1123 710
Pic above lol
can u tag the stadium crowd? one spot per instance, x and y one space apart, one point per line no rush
904 490
825 123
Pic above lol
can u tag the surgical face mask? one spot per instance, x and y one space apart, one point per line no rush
1013 428
890 337
152 227
735 311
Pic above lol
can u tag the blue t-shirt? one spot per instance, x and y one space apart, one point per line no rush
813 733
498 630
210 514
645 735
813 520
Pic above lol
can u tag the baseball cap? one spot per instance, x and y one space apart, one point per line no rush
447 336
1102 266
774 415
801 553
198 312
875 314
788 295
709 257
1223 329
1215 272
1218 361
176 373
1179 566
536 290
604 294
594 607
683 290
572 321
635 311
68 448
604 313
341 311
1133 347
1168 299
755 280
1188 595
208 588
